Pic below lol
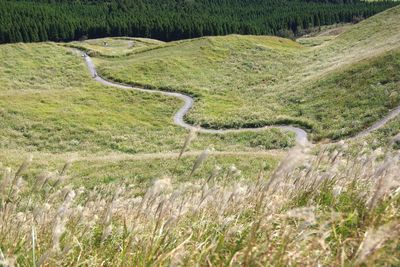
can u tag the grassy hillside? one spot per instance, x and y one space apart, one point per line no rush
249 80
49 103
50 108
387 136
347 101
93 175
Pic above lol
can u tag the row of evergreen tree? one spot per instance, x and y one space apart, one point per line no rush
66 20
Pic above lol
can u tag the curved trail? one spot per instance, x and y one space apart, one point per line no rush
391 115
301 135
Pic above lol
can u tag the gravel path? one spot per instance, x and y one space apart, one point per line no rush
395 112
301 135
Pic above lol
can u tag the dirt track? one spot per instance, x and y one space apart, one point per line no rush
301 135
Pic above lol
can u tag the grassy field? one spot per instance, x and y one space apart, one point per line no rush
49 103
50 108
91 175
252 80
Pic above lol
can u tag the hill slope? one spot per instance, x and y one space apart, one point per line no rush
49 103
108 184
249 80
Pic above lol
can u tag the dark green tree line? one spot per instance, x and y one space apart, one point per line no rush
65 20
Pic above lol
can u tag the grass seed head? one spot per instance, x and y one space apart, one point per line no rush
24 166
200 159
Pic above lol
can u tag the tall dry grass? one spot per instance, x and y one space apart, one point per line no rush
328 207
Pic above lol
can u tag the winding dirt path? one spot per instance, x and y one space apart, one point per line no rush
301 135
392 114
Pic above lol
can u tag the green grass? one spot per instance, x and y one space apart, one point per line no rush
348 101
384 137
141 173
253 80
120 204
51 108
114 169
49 103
